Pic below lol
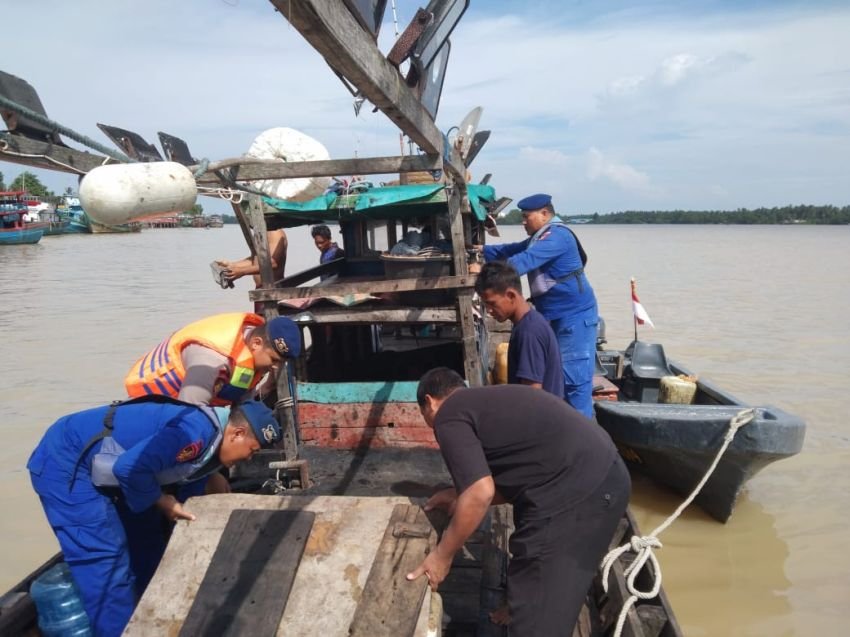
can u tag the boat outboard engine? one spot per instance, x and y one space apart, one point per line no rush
600 334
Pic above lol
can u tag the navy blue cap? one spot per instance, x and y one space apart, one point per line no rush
284 337
534 202
262 421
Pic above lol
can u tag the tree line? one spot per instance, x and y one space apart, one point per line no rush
814 215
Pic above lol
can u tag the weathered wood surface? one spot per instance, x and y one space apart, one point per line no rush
250 575
359 315
331 267
330 28
252 169
67 159
649 618
352 425
76 161
329 581
365 287
384 608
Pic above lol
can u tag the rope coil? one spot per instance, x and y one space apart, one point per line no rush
644 546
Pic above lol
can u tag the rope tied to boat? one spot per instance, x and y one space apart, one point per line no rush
643 547
56 127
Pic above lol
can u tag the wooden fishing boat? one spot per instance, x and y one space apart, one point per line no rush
676 442
356 457
15 229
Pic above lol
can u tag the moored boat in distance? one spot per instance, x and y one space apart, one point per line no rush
669 424
15 226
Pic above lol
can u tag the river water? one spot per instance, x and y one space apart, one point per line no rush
760 310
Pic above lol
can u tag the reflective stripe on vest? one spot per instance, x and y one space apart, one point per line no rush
161 370
106 457
538 282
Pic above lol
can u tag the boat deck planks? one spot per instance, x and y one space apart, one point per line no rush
331 576
384 607
247 583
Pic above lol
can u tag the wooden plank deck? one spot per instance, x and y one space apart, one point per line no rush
330 579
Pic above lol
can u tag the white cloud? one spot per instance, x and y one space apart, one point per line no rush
760 105
626 177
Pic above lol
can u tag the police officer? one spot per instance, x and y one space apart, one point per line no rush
554 260
218 360
100 475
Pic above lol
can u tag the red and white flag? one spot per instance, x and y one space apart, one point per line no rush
641 317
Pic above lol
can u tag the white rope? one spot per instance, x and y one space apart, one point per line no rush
643 546
228 194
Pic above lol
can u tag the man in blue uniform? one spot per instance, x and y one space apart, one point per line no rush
554 261
534 358
100 475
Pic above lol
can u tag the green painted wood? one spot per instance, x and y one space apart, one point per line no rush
247 583
374 392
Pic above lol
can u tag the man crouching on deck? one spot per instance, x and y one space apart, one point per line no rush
560 471
99 475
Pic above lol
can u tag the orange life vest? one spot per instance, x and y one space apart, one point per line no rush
161 370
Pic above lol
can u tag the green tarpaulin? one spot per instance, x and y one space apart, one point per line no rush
389 202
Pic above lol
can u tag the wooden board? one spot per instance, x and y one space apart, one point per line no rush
249 578
384 608
349 425
329 581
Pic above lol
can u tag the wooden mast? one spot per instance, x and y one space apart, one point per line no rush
333 31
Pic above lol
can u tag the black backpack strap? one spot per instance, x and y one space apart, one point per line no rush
108 423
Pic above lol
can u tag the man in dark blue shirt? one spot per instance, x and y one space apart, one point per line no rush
554 260
534 357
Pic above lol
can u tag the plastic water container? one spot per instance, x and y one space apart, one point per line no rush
60 609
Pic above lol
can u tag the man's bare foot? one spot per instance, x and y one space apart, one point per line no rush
501 616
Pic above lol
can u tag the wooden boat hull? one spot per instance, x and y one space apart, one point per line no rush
676 444
21 236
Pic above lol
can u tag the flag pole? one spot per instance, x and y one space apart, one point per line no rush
634 316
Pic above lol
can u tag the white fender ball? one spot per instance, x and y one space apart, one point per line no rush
118 193
289 144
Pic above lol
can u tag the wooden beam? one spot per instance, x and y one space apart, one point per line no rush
260 239
331 267
245 168
389 604
330 28
65 159
368 315
251 169
364 287
471 356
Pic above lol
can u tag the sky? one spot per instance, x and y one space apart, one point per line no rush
606 105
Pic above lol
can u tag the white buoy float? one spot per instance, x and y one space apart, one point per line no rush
289 144
118 193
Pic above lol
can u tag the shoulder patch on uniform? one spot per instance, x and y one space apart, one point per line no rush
189 452
544 235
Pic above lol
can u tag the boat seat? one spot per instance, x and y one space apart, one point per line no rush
647 366
599 369
649 362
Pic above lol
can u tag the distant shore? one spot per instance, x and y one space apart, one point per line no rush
788 215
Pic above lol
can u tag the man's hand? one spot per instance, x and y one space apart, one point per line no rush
443 499
474 268
436 567
172 509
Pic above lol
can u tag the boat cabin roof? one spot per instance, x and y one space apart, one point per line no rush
375 203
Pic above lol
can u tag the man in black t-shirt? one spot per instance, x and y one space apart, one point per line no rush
559 470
